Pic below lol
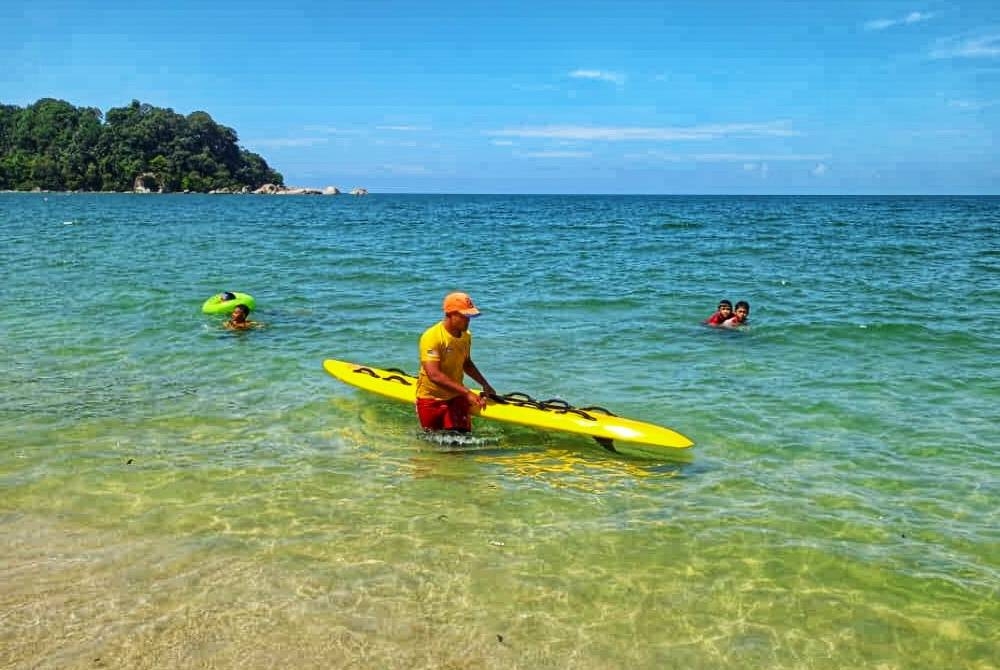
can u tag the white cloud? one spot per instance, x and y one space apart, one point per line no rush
600 75
971 105
555 154
982 46
410 170
940 132
330 130
404 129
285 142
917 17
663 134
912 17
502 143
879 24
408 144
534 88
724 157
760 169
820 170
735 158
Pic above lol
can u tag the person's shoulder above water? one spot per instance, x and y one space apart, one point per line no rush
239 320
724 312
740 317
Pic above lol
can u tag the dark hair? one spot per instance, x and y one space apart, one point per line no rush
726 303
244 307
743 303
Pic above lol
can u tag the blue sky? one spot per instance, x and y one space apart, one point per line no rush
772 96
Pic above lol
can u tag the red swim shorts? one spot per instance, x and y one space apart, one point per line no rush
451 414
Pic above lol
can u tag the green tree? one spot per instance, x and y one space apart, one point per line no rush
53 145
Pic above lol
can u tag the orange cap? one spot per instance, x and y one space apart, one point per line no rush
461 303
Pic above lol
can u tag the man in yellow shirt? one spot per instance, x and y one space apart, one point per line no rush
443 401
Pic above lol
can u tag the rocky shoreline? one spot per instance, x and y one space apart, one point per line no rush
274 189
148 182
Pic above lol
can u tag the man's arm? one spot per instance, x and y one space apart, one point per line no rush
471 370
434 373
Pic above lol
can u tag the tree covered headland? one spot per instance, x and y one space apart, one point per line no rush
52 145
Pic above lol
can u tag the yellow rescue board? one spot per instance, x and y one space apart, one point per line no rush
401 386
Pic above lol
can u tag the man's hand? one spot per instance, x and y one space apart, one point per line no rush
476 398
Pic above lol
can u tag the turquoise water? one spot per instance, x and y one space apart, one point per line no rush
179 495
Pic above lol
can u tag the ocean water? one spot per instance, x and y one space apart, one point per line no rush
176 495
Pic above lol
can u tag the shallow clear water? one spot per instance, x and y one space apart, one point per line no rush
178 495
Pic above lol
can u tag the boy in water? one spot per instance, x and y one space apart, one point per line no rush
740 315
238 321
724 312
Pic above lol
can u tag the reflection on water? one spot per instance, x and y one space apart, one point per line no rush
593 473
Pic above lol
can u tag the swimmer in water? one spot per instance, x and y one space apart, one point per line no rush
740 317
238 320
724 313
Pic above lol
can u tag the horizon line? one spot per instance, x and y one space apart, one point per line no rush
522 194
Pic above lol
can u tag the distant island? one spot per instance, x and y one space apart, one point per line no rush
53 146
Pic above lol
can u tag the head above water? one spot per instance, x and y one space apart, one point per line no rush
240 312
459 303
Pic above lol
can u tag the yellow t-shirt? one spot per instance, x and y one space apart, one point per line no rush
437 344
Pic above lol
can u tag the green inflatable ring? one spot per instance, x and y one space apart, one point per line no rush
217 304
